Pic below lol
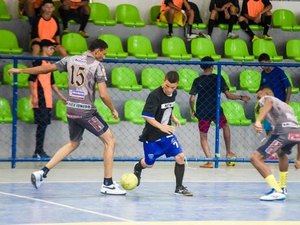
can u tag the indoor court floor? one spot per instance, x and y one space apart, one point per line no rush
71 196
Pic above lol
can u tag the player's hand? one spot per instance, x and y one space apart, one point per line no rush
177 122
13 70
115 114
245 98
64 100
34 102
297 164
193 114
167 129
258 127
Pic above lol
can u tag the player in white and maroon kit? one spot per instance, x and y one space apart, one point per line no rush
84 73
285 135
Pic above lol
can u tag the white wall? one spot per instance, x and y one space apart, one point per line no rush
144 6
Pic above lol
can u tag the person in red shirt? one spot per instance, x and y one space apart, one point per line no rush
41 98
46 26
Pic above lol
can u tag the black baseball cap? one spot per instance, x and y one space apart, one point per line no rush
47 43
47 1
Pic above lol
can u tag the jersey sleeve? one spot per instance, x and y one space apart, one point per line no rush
150 107
58 29
224 86
61 65
100 74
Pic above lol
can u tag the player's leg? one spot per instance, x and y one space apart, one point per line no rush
203 126
283 171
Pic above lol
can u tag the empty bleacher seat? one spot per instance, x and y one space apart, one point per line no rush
237 50
125 79
4 13
133 111
22 78
61 79
186 78
101 15
296 108
105 112
294 90
234 113
9 43
5 111
115 47
74 43
293 49
285 19
61 110
24 110
152 77
225 75
140 47
201 47
178 115
174 47
250 80
129 15
266 46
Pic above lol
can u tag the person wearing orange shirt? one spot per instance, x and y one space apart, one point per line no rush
30 8
256 12
46 26
77 10
41 98
171 11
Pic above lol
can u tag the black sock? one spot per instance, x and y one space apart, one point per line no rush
107 181
246 28
170 26
179 172
231 22
211 24
190 27
138 166
267 24
46 170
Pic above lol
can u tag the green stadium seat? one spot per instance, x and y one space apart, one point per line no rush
225 75
24 110
250 80
266 46
234 113
125 79
22 78
4 13
223 26
105 112
285 19
133 111
140 47
295 90
61 79
5 111
186 78
74 43
174 47
178 115
296 108
154 12
129 15
115 47
237 50
201 47
9 43
152 77
293 49
61 111
101 15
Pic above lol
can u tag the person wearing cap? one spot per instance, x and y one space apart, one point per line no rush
46 26
41 98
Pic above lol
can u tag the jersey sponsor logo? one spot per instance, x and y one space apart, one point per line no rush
294 136
80 60
167 105
79 105
77 94
98 126
273 147
151 156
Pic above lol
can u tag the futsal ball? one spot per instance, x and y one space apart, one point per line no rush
129 181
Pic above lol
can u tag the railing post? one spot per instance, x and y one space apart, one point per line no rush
15 120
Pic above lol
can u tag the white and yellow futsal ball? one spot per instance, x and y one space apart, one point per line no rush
129 181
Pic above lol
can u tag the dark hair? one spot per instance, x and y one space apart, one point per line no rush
206 59
172 77
98 43
264 57
47 1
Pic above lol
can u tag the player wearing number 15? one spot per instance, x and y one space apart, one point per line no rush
84 71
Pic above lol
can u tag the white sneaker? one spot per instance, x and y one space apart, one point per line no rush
273 196
232 35
113 189
204 35
284 190
191 36
37 178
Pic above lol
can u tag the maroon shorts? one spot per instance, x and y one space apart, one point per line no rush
204 124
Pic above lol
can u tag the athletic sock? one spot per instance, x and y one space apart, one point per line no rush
108 181
138 166
170 27
179 172
283 178
246 28
46 170
211 24
273 183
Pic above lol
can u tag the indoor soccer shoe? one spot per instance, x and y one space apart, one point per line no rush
273 195
137 173
284 190
183 191
113 189
37 178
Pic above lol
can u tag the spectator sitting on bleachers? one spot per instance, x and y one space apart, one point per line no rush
171 11
30 8
77 10
223 12
256 12
46 26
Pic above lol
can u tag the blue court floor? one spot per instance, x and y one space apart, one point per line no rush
217 198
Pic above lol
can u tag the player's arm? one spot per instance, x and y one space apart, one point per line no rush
171 5
34 70
288 94
231 96
262 114
175 120
297 161
192 104
103 94
59 93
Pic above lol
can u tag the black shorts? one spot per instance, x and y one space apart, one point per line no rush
94 124
42 116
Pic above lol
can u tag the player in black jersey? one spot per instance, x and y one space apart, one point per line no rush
158 135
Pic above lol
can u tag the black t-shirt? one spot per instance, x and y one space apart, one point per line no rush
205 87
158 106
220 3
